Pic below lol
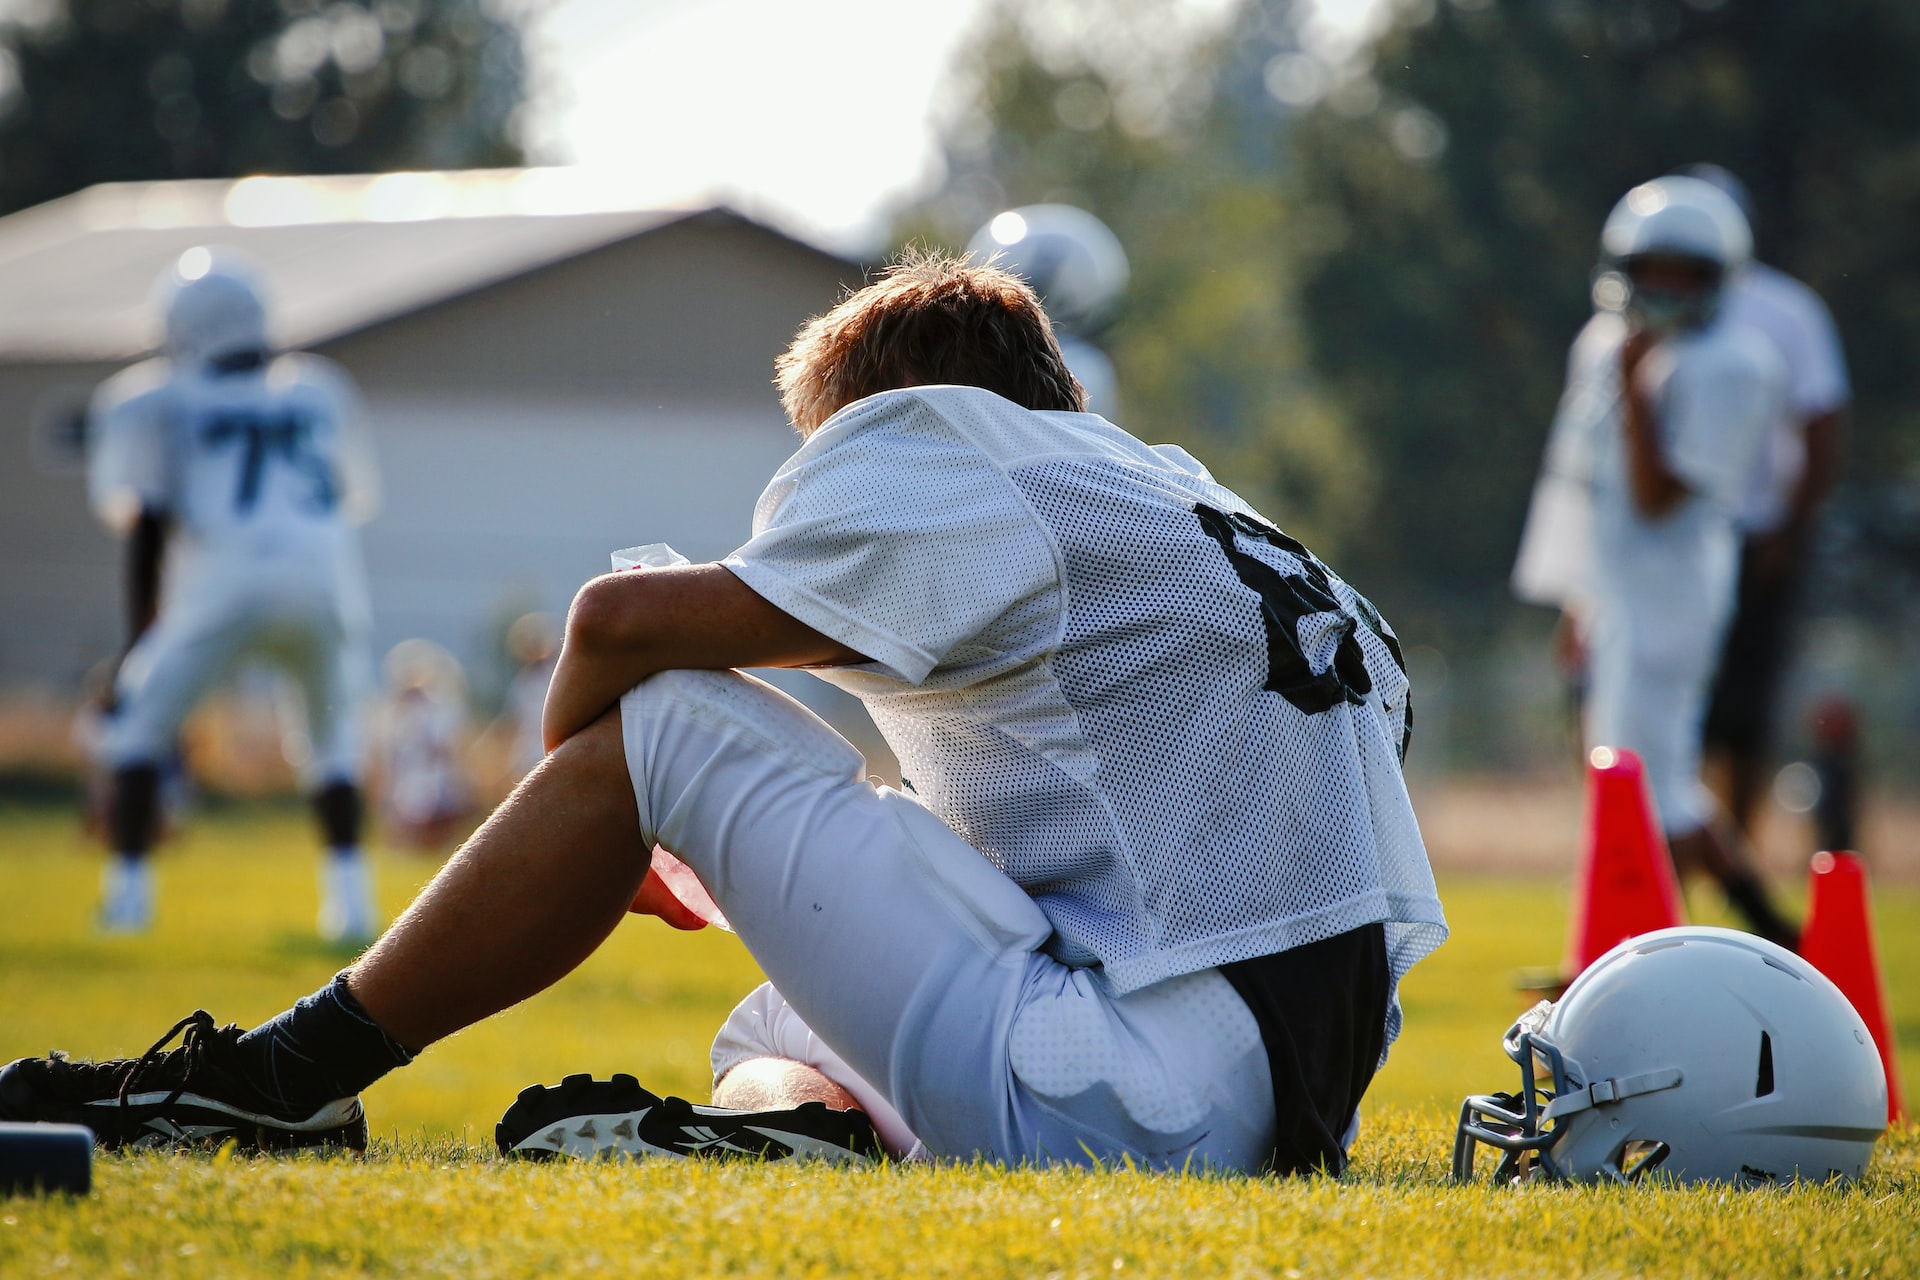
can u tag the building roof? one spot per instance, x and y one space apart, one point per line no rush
338 253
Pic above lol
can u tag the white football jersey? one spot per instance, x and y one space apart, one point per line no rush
420 736
1797 323
1160 715
261 471
1715 396
526 702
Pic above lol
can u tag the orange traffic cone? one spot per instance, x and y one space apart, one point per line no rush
1838 941
1625 885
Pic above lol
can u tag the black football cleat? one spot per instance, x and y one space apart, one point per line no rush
608 1119
188 1096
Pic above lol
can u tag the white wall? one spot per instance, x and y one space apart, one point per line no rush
495 505
497 499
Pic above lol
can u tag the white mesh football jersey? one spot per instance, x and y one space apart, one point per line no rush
1161 716
265 465
1715 396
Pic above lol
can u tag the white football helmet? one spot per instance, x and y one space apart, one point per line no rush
1705 1054
1679 217
1071 258
210 303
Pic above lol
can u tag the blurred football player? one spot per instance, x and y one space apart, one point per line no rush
1794 473
240 473
1149 898
1078 267
1633 528
88 735
533 642
425 796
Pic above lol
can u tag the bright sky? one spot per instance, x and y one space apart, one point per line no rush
824 108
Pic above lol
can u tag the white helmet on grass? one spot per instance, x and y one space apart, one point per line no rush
1675 218
1072 260
1703 1054
210 302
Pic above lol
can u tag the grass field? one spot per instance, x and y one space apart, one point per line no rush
235 936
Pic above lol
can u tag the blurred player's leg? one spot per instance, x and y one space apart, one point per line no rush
331 668
126 882
1729 860
1746 689
348 912
167 672
1655 708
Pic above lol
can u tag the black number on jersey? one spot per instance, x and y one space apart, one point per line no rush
262 439
1285 598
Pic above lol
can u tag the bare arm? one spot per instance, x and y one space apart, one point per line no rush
1656 489
626 626
146 551
1824 434
1776 554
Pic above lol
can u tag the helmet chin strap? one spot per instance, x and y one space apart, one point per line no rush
1602 1092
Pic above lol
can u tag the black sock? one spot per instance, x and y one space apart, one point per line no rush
325 1047
1749 898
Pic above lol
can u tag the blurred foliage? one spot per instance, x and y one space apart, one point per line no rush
1464 182
128 90
1106 104
1359 264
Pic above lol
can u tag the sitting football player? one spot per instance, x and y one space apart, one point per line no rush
1146 893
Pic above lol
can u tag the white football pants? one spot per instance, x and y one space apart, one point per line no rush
1654 701
295 621
907 968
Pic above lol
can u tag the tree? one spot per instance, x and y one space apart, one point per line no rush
1110 105
1359 260
1462 192
124 90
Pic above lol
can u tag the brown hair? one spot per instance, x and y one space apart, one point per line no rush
930 318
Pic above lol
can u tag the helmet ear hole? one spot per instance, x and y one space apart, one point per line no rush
1638 1157
1763 1078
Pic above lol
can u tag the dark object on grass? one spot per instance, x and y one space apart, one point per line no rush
45 1157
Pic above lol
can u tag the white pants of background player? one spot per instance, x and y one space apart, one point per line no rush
908 969
295 621
1647 691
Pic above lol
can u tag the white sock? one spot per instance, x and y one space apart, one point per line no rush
347 910
126 892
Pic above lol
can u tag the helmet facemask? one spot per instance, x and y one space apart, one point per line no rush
1661 293
1664 252
1526 1126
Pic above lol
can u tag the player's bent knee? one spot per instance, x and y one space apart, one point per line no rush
596 755
755 710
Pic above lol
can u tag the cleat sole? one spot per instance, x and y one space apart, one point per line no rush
618 1119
